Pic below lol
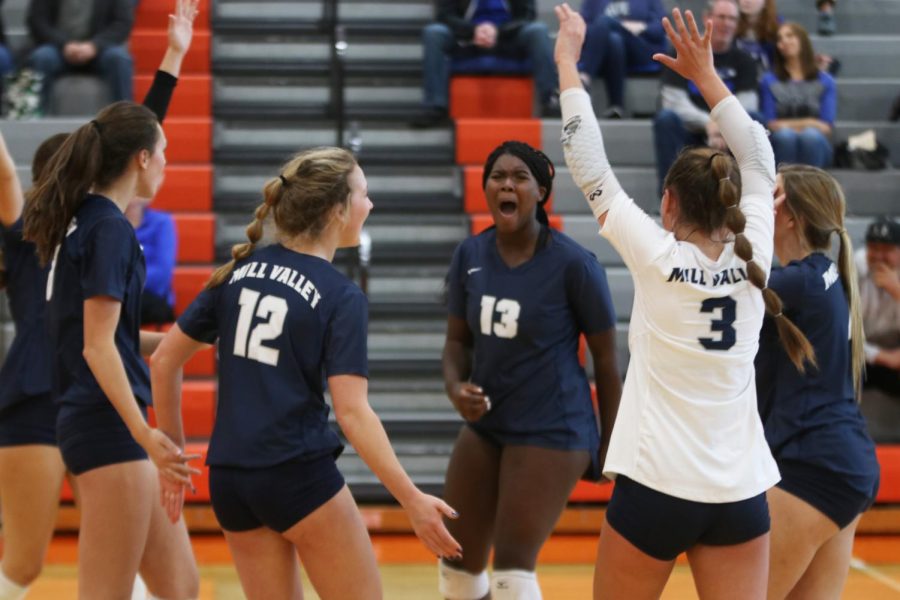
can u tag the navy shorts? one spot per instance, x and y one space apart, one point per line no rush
277 497
95 436
826 491
663 526
29 421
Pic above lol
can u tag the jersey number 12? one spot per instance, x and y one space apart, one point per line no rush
272 308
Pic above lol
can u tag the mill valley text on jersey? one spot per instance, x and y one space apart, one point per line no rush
704 277
289 277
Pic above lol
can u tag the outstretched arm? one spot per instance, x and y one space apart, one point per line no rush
581 139
181 32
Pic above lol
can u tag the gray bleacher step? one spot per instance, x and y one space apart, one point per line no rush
421 344
273 97
391 11
862 54
868 193
240 142
422 190
630 142
225 12
24 137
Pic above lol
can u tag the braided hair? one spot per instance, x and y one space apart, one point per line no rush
707 184
538 163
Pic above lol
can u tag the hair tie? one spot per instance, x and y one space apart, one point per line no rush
95 125
730 206
283 180
726 178
840 231
780 314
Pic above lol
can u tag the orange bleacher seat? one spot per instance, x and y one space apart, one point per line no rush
476 138
474 201
198 408
196 237
154 14
187 283
487 96
149 45
481 222
889 459
187 188
202 364
192 96
189 139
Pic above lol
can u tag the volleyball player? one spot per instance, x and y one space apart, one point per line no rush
31 468
288 325
829 472
520 295
688 451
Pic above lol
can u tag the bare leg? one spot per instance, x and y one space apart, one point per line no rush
168 565
798 532
336 551
471 488
825 576
623 572
737 572
266 564
30 481
535 484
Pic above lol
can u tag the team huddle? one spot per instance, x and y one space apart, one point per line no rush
736 437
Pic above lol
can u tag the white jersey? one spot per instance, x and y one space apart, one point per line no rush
688 424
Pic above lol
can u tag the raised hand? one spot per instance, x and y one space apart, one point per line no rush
694 57
181 25
571 35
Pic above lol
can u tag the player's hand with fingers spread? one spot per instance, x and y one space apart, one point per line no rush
469 400
571 35
426 515
694 57
181 25
168 457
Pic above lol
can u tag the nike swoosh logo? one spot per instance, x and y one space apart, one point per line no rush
473 270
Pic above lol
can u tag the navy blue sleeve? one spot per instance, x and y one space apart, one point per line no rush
199 319
456 288
589 296
108 256
789 283
346 340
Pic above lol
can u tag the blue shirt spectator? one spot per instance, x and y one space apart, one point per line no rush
156 235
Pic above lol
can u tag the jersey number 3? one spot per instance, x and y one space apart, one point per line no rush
272 308
723 325
509 311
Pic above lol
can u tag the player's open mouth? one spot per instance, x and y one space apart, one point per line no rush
508 208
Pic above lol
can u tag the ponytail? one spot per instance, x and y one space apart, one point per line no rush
797 347
243 250
63 183
847 269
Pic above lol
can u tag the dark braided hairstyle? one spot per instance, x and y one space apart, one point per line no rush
538 163
707 184
301 199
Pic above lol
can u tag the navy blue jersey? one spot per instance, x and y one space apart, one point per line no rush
285 322
526 322
100 256
26 370
814 417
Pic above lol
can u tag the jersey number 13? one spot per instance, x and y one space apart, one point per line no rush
509 310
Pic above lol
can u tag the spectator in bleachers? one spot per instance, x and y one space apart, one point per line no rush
684 119
82 36
6 59
757 31
826 23
482 27
798 101
155 232
879 288
622 37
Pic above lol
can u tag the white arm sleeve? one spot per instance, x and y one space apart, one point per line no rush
678 101
585 156
751 148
